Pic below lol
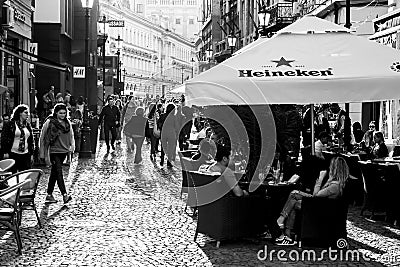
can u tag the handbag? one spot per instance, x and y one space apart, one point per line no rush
156 131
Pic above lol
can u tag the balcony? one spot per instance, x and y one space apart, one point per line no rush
282 14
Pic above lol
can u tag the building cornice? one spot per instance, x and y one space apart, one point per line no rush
141 20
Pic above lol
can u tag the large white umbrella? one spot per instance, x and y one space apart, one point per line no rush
179 89
310 61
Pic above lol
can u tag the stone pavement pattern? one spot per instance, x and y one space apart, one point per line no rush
124 214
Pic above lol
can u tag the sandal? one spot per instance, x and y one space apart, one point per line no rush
287 241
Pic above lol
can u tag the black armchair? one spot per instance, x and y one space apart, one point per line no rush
323 221
224 216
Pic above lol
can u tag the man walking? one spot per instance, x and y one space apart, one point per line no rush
111 116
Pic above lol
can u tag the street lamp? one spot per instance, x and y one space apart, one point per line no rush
119 47
263 18
183 71
232 42
86 148
104 37
124 74
192 65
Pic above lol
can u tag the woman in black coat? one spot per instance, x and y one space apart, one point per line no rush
17 139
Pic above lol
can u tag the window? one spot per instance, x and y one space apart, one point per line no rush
140 8
191 21
177 21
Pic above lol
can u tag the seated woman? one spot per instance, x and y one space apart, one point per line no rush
380 149
221 166
333 188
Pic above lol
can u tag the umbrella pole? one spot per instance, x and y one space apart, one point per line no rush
312 130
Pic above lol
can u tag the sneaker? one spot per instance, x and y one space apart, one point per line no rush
287 241
113 147
50 199
67 198
266 235
280 239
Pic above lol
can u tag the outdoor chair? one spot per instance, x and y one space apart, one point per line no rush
375 194
224 216
5 166
355 181
9 210
322 221
187 154
310 169
28 191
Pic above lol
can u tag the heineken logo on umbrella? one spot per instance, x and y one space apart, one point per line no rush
282 62
395 66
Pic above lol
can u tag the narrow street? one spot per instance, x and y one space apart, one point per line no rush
123 214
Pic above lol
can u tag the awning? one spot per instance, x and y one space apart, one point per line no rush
27 57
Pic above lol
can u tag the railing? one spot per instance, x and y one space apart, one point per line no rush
281 15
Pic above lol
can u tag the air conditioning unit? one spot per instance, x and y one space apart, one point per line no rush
7 18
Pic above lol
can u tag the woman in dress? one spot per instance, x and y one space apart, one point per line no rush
17 139
56 141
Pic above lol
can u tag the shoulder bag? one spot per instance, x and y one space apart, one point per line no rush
156 131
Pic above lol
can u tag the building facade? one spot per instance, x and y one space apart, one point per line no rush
153 59
178 16
16 35
387 32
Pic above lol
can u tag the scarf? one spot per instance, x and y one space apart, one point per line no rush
55 129
21 127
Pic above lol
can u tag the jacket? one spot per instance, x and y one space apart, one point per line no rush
7 138
110 115
44 147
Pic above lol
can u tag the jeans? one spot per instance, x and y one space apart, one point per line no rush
56 174
168 145
22 162
107 129
292 204
138 142
153 142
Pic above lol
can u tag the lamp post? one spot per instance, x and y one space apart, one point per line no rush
124 75
119 46
192 65
232 42
104 22
183 71
86 149
263 18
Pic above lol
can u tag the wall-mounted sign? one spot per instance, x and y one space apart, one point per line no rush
116 23
18 15
33 49
79 72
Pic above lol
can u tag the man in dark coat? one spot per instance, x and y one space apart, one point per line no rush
111 116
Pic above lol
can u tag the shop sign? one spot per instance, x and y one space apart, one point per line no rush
116 23
79 72
33 49
19 16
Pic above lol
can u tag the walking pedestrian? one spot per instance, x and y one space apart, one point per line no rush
17 139
168 124
118 104
56 141
111 116
48 101
150 128
135 133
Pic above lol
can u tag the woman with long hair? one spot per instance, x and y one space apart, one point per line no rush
333 188
17 139
118 104
151 117
56 141
168 124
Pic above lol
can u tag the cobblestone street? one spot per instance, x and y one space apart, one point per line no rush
124 214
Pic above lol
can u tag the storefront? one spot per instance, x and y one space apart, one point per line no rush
16 77
387 29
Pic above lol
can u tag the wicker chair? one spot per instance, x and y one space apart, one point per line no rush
226 217
9 212
28 192
323 221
